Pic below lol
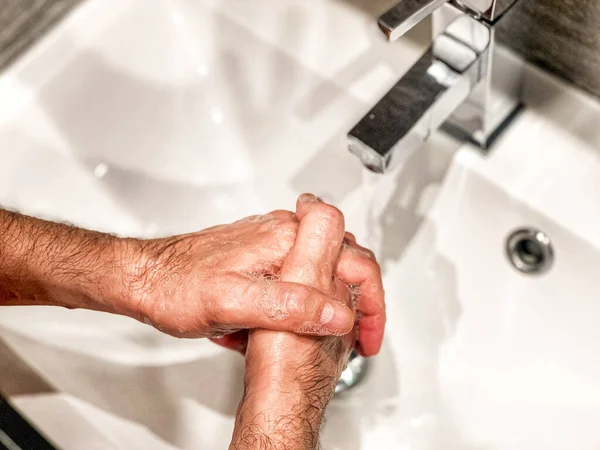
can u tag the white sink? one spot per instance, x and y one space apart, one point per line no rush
149 118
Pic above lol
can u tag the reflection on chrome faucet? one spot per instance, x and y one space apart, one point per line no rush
465 82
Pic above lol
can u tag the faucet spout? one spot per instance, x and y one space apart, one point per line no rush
405 15
424 98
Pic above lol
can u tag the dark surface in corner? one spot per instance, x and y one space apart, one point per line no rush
560 36
22 22
17 433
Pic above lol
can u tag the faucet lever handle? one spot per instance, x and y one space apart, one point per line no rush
405 15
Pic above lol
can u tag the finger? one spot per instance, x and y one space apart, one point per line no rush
237 341
264 245
283 214
342 293
356 267
266 252
278 306
303 204
370 335
359 250
350 238
318 243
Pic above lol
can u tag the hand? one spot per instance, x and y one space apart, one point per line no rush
203 284
223 279
356 267
290 378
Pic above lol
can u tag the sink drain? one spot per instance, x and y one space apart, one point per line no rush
353 375
530 251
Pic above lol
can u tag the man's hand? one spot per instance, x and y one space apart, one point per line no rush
203 284
356 267
223 279
209 283
290 378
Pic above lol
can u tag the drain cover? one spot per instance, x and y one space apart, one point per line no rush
530 251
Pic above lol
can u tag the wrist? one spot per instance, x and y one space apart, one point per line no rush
270 418
312 372
284 398
130 279
143 269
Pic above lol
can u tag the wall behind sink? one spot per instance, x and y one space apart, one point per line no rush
562 36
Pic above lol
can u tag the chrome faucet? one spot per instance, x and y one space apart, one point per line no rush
466 82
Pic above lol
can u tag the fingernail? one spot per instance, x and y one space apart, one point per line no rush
336 317
309 198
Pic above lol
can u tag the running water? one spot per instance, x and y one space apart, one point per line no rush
374 198
371 206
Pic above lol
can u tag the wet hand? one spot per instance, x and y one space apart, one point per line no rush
290 378
355 267
225 279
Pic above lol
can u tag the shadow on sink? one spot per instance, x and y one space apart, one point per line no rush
426 312
149 395
17 377
378 57
215 118
159 396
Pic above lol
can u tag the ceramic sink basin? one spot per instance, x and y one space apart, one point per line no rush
149 118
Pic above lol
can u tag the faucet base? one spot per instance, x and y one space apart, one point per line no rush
495 101
353 375
486 143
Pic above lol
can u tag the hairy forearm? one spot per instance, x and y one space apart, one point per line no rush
285 397
45 263
282 421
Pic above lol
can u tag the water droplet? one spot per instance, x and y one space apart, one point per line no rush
100 170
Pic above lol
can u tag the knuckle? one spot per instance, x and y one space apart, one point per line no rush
285 243
369 268
329 212
222 310
350 237
364 258
372 267
289 295
287 228
368 254
354 251
282 214
266 226
279 235
214 312
285 302
254 219
279 226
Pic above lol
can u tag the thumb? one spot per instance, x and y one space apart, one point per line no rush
281 306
